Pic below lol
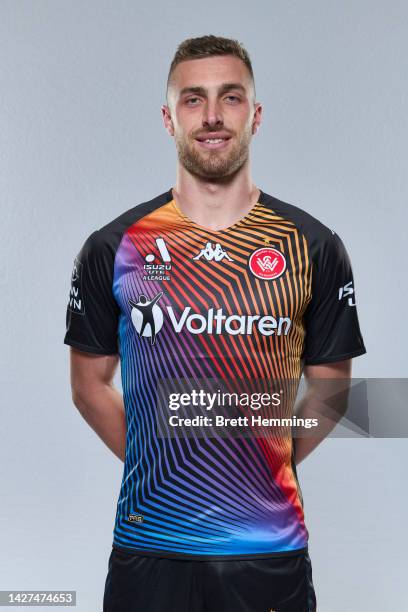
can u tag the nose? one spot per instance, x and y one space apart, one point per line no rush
212 116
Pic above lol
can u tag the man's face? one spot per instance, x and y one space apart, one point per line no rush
212 98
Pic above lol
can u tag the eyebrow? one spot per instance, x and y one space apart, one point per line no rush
197 89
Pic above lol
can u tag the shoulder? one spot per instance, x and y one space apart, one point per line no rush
319 237
304 221
106 239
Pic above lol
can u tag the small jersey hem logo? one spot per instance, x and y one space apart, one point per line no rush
135 518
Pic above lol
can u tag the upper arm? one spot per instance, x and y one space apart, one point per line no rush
328 386
89 370
336 369
92 317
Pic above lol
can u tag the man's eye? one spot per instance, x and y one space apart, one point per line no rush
192 101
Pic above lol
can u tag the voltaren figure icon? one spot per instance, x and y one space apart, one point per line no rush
146 308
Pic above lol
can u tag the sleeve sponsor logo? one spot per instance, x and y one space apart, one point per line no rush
76 302
347 291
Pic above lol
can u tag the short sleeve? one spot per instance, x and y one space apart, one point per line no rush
331 320
92 312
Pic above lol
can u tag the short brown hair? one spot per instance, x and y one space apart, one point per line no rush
207 46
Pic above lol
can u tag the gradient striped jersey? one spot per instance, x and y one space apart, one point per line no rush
175 300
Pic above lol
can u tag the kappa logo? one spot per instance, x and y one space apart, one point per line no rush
347 290
267 263
158 271
211 253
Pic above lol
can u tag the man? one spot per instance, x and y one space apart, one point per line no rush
213 279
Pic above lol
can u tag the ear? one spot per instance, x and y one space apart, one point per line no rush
256 122
167 120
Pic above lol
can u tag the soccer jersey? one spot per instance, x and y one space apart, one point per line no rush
177 301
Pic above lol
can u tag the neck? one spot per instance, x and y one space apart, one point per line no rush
218 203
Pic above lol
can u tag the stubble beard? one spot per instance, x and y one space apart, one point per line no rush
213 164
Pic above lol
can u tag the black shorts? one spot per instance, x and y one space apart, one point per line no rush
137 583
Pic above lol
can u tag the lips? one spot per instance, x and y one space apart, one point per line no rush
213 136
221 139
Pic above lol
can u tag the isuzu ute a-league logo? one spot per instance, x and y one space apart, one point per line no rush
211 253
267 263
158 271
76 302
147 318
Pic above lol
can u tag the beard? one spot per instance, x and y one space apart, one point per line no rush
214 164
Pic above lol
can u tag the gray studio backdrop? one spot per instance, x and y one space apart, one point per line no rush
81 141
